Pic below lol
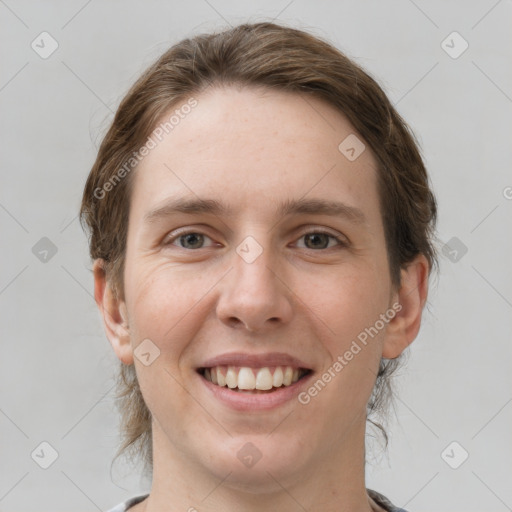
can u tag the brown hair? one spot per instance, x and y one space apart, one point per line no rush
276 57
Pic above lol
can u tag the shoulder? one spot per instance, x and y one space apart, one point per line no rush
382 501
123 507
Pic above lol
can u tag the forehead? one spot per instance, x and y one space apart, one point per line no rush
251 148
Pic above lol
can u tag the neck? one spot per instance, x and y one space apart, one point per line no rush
331 481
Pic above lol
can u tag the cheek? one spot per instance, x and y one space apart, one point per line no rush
159 296
347 301
164 307
349 306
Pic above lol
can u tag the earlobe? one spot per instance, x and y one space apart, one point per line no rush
412 296
114 314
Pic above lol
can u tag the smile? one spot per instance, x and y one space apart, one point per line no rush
253 380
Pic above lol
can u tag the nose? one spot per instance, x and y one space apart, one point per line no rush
255 296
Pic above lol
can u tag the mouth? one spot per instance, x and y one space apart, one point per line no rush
248 380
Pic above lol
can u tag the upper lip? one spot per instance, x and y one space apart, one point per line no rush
255 360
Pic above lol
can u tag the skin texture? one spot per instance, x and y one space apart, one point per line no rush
252 149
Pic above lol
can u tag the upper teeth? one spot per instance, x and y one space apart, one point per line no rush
253 378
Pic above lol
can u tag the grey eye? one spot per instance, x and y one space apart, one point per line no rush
191 240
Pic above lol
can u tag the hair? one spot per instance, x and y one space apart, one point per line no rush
279 58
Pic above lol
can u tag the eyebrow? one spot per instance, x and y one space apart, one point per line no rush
288 207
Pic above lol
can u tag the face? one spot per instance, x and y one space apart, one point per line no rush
255 243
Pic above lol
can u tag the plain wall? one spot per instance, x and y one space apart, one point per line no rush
57 367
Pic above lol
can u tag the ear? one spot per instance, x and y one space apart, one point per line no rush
412 296
114 314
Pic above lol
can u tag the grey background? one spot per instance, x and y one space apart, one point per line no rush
56 363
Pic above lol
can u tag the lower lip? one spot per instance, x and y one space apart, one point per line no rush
258 401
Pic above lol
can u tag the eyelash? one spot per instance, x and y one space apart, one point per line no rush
342 242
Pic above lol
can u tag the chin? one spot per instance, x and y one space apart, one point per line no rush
257 463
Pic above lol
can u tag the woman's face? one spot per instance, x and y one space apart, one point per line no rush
255 241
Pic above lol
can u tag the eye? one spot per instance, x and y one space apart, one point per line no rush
315 240
321 240
190 240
